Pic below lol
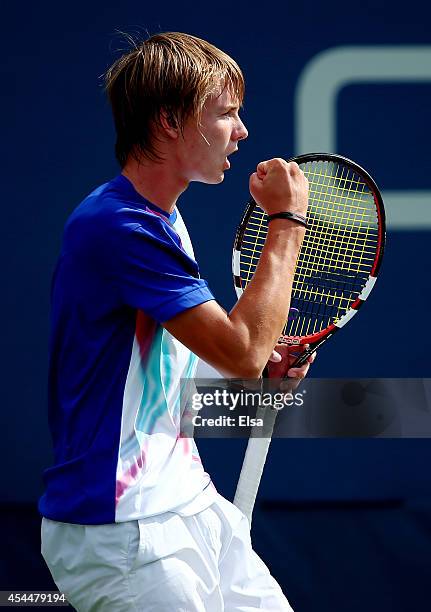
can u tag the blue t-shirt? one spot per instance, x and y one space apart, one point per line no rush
125 267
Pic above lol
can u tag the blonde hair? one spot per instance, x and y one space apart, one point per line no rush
173 73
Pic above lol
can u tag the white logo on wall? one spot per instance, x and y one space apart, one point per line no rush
315 110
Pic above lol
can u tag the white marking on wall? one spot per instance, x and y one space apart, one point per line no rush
316 105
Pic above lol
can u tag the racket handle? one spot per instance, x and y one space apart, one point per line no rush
254 462
302 358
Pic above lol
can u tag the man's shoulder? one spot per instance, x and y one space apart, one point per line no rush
111 207
112 215
100 205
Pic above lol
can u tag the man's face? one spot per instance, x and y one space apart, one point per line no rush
203 152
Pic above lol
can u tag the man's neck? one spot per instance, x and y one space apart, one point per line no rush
156 182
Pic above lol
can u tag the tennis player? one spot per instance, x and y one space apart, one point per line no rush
131 519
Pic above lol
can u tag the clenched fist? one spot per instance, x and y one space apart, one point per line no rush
280 186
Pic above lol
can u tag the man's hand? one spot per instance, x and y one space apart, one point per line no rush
283 356
278 185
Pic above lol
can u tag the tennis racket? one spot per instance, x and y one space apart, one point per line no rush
336 270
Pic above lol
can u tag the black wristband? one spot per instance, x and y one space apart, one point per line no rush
289 215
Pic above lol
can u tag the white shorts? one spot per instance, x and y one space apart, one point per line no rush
165 563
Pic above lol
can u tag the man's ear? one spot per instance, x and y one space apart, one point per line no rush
168 123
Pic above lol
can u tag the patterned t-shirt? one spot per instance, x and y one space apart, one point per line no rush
125 267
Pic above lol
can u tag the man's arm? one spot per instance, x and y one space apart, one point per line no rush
240 343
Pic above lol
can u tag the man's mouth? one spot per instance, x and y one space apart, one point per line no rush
226 161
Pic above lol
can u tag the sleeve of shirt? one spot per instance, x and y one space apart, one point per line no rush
154 273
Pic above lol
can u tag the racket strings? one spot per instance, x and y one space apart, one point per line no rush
317 298
339 247
338 250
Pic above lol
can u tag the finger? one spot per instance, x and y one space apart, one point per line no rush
312 357
294 168
254 181
299 372
262 169
275 357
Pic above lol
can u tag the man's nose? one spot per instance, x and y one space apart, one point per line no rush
242 131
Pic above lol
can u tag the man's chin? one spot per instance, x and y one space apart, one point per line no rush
211 180
220 179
